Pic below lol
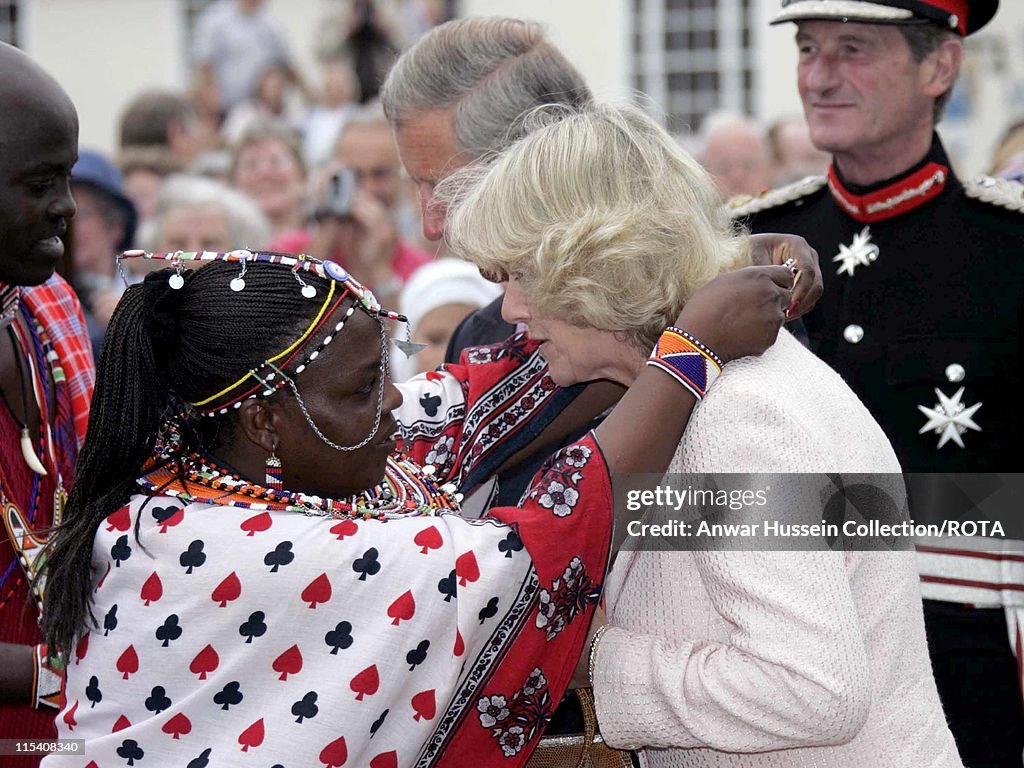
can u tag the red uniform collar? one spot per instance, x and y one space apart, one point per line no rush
894 197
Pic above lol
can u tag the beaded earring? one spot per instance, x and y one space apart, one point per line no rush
274 477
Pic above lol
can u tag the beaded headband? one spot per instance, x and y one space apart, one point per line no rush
267 377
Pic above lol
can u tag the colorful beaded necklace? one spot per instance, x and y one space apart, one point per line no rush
406 491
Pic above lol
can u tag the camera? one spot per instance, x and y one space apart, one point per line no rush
338 194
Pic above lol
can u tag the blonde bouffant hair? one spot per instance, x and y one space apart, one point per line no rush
604 219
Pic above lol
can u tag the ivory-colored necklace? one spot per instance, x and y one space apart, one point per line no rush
28 450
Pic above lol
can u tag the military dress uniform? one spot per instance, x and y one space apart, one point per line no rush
923 316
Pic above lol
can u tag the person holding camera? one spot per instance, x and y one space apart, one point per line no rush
355 213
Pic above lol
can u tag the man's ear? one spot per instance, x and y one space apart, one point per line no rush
943 66
258 421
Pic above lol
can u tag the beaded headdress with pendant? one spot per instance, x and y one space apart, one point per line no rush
269 376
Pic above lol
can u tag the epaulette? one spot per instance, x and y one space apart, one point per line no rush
742 206
999 192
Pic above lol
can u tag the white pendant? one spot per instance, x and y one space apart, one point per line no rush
860 253
29 453
950 418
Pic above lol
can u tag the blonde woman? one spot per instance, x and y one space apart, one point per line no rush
604 229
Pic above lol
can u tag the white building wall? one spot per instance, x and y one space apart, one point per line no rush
104 52
593 34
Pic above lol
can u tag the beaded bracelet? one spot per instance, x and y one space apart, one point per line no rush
593 652
687 360
47 679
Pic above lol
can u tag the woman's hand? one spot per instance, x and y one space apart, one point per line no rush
739 313
772 248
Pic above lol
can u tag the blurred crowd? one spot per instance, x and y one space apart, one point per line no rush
253 154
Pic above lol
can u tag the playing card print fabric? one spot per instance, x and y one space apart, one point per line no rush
234 636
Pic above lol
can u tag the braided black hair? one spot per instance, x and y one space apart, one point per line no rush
164 348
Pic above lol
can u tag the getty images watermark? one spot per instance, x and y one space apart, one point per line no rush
813 511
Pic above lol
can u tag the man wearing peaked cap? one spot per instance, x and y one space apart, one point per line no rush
921 314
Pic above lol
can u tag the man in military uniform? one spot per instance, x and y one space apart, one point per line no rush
922 312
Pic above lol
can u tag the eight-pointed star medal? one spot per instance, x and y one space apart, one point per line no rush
950 418
860 253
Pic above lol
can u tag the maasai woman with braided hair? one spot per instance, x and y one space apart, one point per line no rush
247 566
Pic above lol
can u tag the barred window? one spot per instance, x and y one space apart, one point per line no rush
693 57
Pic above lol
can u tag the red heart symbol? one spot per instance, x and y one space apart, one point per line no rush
434 376
345 528
252 736
257 523
365 683
82 648
318 591
173 520
335 754
227 590
105 574
385 760
121 723
288 663
152 590
428 538
177 725
128 662
205 661
119 521
424 705
460 645
466 568
69 717
403 608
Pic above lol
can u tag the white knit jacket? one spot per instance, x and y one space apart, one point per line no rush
772 658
